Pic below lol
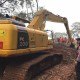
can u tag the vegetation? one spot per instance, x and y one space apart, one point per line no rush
76 29
21 8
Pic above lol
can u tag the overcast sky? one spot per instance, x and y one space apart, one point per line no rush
64 8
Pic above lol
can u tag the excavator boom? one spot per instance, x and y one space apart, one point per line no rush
44 15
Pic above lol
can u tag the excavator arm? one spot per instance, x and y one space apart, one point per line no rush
41 16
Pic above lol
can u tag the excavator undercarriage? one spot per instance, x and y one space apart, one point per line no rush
28 66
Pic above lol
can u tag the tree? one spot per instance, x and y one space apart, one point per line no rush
17 7
37 4
76 29
76 26
22 15
10 6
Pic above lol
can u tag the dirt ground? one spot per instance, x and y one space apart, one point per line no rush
65 70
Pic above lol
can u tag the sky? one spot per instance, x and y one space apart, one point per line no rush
65 8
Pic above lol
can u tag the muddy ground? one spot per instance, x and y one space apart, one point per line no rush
63 71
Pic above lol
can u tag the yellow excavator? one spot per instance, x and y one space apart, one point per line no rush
17 40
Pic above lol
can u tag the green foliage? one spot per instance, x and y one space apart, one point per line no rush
21 2
11 6
10 1
76 26
22 8
22 15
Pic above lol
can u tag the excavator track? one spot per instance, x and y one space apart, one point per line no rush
28 66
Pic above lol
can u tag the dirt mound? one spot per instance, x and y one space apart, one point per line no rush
63 71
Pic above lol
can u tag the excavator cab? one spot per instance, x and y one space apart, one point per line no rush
50 37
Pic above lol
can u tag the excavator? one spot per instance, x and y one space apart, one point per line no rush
19 43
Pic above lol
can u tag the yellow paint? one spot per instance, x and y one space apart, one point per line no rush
2 32
9 53
9 38
5 22
38 40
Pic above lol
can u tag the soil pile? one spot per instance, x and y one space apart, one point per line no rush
66 69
